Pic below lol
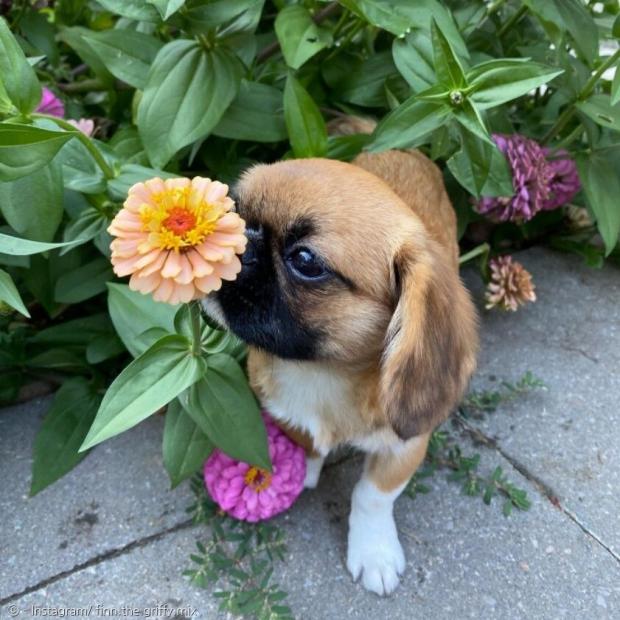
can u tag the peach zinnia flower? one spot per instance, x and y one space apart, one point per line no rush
177 238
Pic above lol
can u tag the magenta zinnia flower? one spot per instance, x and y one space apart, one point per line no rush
253 494
564 182
50 104
531 178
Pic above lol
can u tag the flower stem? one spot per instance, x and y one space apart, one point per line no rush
512 20
108 173
583 94
483 248
194 310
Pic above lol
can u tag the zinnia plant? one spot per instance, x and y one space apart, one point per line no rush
510 285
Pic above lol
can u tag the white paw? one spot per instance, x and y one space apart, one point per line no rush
377 557
313 471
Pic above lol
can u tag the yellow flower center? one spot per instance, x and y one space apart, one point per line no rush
258 479
176 220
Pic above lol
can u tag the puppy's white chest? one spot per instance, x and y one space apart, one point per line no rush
311 398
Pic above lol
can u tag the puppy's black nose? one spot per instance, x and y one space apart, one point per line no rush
254 246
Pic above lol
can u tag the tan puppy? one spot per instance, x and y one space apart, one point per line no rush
360 330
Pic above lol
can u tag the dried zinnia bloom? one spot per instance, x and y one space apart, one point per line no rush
531 178
510 285
253 494
564 183
50 104
177 238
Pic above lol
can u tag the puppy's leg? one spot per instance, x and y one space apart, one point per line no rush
314 460
374 552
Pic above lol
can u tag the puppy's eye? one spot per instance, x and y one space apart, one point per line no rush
305 263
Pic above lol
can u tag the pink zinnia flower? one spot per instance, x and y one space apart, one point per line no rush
85 125
564 183
178 239
50 104
531 179
253 494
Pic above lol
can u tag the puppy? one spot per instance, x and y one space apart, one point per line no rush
359 329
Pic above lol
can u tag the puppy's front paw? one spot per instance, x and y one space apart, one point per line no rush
314 464
377 556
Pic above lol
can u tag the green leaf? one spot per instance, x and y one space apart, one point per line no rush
600 110
89 223
160 374
386 15
133 314
228 16
448 67
615 85
410 122
498 81
480 167
413 57
256 114
103 348
25 247
32 205
76 332
84 282
18 77
224 407
80 172
167 8
131 174
300 38
185 446
602 187
468 115
187 92
63 430
24 149
76 38
127 56
132 9
10 295
304 123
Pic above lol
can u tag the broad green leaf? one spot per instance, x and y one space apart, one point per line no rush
187 92
41 33
571 17
133 314
224 407
413 57
63 430
448 68
103 348
346 148
602 187
167 8
80 172
133 9
408 123
228 16
10 295
600 110
89 223
25 247
151 381
304 123
480 167
299 37
32 205
498 81
468 115
18 77
386 15
24 149
84 282
130 174
185 446
127 57
76 38
76 332
59 359
256 114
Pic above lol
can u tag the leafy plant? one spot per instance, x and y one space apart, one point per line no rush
208 87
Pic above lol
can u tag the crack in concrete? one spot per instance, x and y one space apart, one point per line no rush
98 559
543 488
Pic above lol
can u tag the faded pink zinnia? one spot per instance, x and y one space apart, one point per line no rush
531 178
564 183
178 239
252 494
510 285
50 104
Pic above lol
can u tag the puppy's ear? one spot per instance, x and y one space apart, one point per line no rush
431 342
